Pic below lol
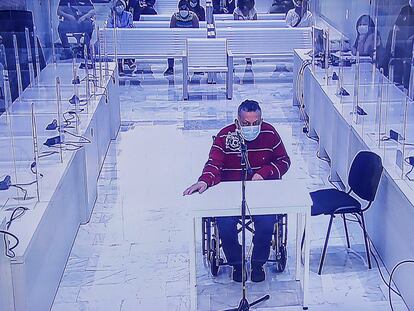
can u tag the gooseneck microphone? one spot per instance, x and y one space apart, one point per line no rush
243 151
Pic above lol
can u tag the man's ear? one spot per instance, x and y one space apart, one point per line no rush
237 122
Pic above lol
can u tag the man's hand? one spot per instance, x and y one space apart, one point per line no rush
200 186
257 177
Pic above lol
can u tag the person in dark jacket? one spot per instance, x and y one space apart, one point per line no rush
400 51
269 161
224 6
142 7
281 6
198 10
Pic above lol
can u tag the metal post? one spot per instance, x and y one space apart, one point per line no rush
18 70
54 59
327 47
379 117
35 151
37 57
94 73
356 90
404 135
374 55
88 91
115 32
29 56
313 49
410 85
106 52
59 117
100 58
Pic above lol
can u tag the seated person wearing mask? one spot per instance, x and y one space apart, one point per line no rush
224 6
300 16
281 6
245 10
141 7
184 18
76 17
123 19
196 8
365 40
268 159
403 45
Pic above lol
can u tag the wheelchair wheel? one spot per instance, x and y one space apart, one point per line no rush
214 267
281 259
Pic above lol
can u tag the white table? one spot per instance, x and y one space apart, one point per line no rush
287 196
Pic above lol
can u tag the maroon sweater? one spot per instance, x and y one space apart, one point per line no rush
266 154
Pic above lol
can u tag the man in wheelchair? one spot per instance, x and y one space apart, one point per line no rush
268 159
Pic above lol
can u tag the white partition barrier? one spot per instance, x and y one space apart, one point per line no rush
265 42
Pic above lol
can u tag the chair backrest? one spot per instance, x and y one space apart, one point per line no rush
365 174
136 42
207 52
251 24
263 41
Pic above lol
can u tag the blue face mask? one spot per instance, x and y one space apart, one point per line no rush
250 132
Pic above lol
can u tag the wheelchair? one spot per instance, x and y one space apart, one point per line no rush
211 246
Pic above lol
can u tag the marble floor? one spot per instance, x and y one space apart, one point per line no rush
133 254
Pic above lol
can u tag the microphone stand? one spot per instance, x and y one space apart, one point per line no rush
244 304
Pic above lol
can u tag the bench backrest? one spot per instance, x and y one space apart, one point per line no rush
159 24
265 41
147 42
251 24
207 52
217 17
260 16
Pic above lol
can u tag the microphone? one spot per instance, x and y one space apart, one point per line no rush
243 150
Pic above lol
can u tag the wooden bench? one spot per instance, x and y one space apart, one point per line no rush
265 42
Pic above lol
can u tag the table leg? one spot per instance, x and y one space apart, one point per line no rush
298 246
193 271
306 271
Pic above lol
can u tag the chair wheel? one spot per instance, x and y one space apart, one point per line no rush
213 259
281 259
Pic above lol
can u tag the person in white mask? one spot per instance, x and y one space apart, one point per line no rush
299 16
365 40
184 18
268 160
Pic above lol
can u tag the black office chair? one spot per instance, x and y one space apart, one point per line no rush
363 179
